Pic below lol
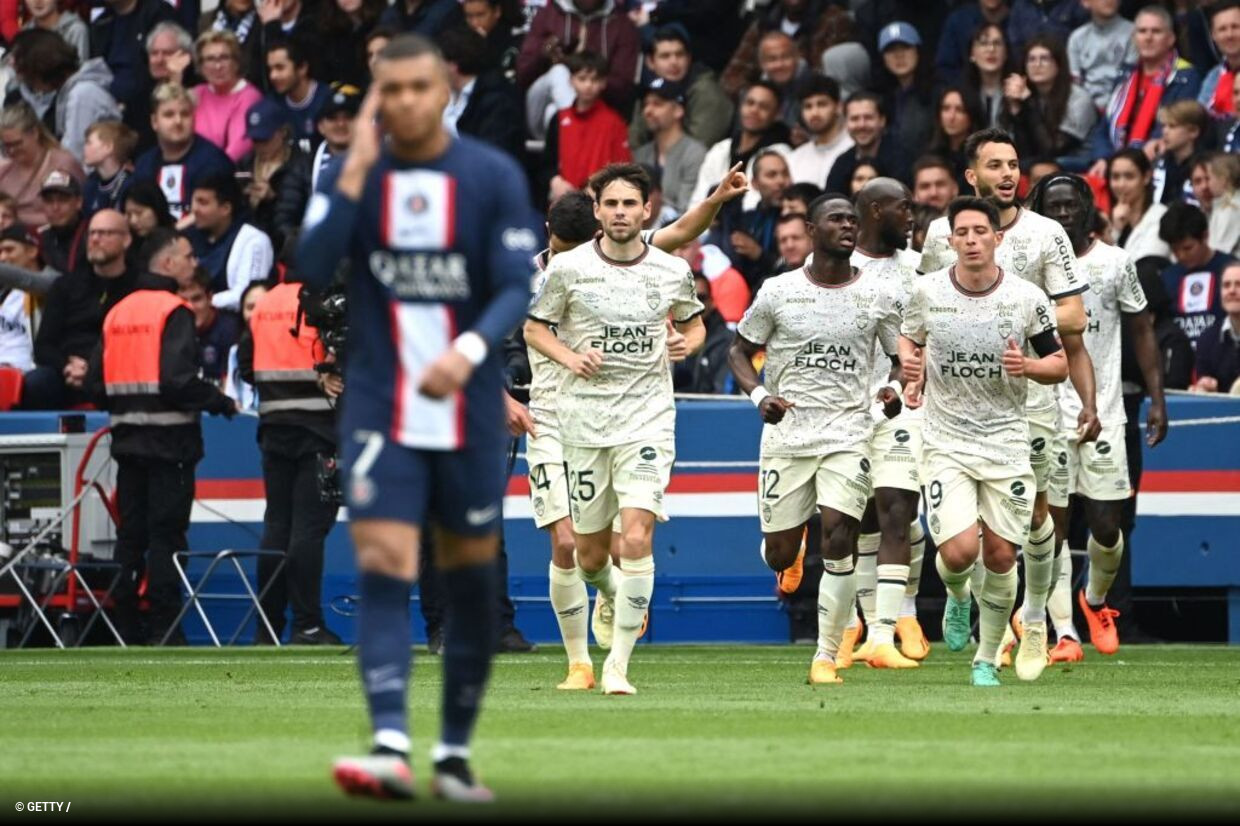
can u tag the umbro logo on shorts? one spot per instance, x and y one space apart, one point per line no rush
1103 448
1018 488
902 436
1038 444
649 453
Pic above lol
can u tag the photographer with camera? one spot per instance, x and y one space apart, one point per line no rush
288 351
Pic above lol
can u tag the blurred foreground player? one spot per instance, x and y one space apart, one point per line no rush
440 233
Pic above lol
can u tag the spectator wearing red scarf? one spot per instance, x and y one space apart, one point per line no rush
1216 90
1160 77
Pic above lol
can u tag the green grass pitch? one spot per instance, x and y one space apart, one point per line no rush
714 732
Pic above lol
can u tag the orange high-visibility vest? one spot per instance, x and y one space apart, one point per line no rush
132 343
285 353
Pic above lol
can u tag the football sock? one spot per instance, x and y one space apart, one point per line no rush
867 574
917 555
1039 569
837 594
892 581
571 603
632 603
1103 564
1059 606
956 582
384 656
470 630
995 604
605 579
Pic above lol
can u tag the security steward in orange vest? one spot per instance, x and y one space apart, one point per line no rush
145 373
277 353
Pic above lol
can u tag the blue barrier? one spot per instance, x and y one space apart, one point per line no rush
710 583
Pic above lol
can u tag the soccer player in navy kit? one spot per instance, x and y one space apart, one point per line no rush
440 234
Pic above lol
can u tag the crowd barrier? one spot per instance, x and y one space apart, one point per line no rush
711 585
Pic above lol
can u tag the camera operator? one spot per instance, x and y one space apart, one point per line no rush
288 351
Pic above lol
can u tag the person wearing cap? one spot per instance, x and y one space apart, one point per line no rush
335 126
905 79
675 156
272 160
144 371
20 267
63 241
484 105
20 250
300 95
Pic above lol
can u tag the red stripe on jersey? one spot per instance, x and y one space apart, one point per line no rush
449 215
398 396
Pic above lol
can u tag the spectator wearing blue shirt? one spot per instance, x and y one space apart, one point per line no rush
1050 17
119 36
1194 282
293 88
1218 349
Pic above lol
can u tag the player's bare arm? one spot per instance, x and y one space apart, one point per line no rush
1146 346
1081 372
912 369
1070 315
684 338
740 359
698 217
539 335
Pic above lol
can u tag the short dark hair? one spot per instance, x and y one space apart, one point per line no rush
862 97
764 84
465 48
817 84
932 162
571 218
656 181
763 154
200 278
381 32
630 173
974 143
224 186
409 45
971 203
592 62
803 191
824 199
295 46
158 240
790 217
1182 221
669 32
1220 6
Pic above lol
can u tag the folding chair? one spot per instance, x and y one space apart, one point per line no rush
63 570
196 593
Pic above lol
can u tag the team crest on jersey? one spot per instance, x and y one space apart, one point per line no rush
1004 326
1019 259
417 203
652 298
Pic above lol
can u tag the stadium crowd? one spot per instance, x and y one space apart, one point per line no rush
148 137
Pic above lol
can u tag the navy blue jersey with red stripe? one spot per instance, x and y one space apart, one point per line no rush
437 248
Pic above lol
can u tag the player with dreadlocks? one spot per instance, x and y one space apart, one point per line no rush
1097 471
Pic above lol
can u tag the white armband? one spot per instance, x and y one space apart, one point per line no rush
758 394
472 346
